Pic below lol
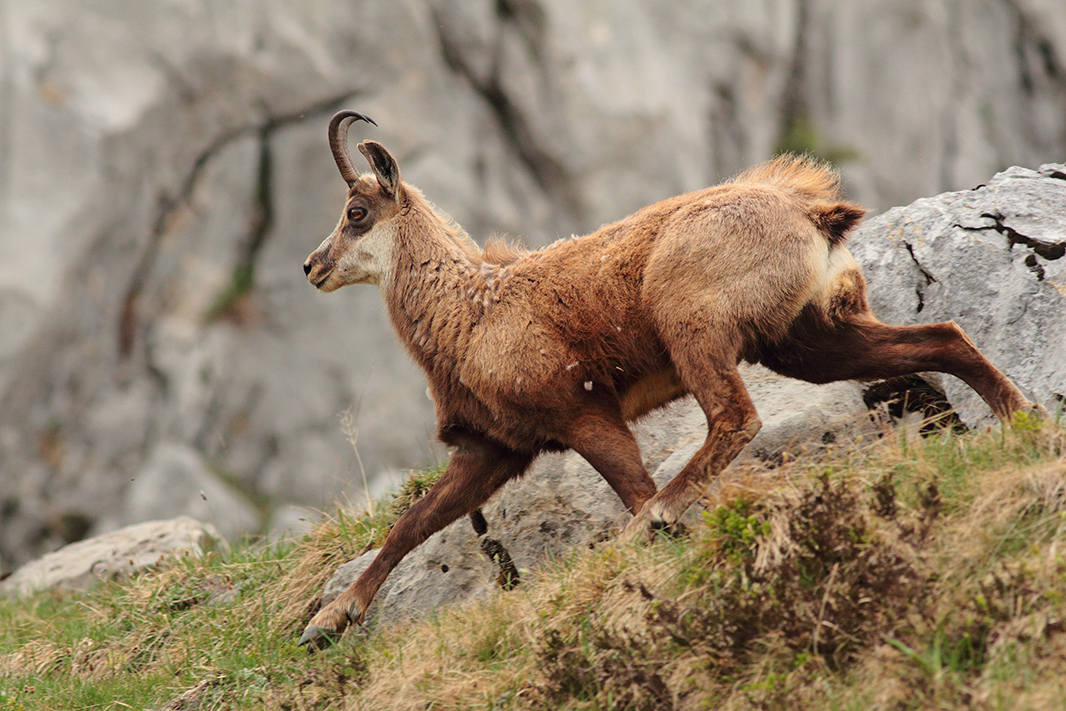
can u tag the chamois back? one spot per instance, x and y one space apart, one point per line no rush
499 251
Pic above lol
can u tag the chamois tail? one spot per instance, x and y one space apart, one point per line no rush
816 181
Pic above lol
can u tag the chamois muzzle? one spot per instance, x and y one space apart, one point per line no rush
338 142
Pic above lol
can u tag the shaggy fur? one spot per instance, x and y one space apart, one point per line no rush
527 352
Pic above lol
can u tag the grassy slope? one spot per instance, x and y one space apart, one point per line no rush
906 574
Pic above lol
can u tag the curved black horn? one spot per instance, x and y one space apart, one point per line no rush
338 142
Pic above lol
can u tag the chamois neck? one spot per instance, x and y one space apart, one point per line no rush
440 289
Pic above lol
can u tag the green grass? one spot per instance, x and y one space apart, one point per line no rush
920 573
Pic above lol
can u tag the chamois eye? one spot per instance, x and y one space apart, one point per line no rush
356 213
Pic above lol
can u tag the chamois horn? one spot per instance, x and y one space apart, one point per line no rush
338 142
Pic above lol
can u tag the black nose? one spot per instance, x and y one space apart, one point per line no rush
307 267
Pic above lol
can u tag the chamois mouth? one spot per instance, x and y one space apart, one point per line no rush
318 280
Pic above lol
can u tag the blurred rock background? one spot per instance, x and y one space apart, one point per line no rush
164 172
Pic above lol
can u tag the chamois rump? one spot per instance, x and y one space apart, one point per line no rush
528 352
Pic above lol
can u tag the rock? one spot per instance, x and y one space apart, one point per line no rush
563 504
175 481
288 522
188 142
448 568
119 554
797 415
992 259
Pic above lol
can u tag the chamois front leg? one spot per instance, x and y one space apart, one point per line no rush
476 470
604 440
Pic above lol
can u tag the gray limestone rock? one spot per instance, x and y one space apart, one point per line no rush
289 522
448 568
121 553
563 504
992 259
176 481
164 173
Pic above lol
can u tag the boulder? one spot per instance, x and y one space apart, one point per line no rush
289 522
164 173
449 568
176 481
992 259
119 554
563 504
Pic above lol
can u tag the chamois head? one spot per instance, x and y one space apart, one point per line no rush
359 251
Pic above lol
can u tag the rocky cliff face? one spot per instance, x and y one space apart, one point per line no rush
164 172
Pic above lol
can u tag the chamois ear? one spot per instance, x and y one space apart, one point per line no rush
384 165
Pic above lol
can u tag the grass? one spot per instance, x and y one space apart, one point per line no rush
921 573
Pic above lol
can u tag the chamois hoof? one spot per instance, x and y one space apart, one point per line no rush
1039 412
317 638
646 527
637 530
327 626
659 527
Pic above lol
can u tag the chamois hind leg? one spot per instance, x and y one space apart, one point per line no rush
732 422
476 470
859 347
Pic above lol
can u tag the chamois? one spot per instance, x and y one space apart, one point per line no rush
528 352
